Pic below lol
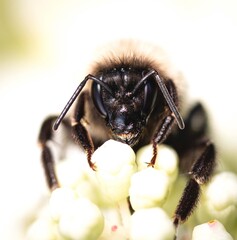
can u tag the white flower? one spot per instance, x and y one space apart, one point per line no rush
167 159
60 200
212 230
149 188
220 199
77 217
115 164
82 220
152 224
93 204
222 191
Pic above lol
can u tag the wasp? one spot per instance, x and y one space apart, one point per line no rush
129 97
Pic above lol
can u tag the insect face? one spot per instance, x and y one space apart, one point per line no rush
127 107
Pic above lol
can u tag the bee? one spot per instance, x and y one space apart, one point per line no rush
129 96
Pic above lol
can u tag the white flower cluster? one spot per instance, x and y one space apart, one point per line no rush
93 204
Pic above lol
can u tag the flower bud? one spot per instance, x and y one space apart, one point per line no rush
152 224
149 188
167 159
81 220
222 191
115 164
59 201
211 230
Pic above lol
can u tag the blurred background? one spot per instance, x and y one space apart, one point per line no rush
45 50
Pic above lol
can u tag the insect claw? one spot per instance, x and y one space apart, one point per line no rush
92 165
150 164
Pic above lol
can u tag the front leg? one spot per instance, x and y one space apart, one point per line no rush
46 135
163 131
160 136
79 132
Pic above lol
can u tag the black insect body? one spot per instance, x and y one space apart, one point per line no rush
131 100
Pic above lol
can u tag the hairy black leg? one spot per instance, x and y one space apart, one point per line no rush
79 132
45 135
200 173
166 126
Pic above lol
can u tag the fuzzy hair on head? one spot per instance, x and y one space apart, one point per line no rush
134 54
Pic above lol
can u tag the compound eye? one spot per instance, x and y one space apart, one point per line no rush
150 94
97 99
